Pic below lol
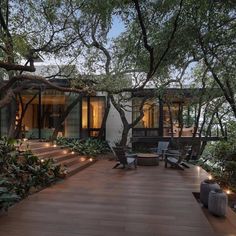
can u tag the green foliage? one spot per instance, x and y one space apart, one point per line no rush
89 146
220 158
22 173
7 196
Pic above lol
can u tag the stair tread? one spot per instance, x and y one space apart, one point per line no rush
69 162
79 164
73 162
50 152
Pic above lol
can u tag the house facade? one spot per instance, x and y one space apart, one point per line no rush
166 117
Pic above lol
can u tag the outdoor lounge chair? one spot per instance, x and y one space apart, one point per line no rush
172 158
161 148
124 159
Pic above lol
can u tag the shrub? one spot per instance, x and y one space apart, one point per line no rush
22 173
89 146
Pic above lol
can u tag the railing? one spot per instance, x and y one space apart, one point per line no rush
145 132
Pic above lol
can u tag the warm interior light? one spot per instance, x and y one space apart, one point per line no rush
210 177
228 191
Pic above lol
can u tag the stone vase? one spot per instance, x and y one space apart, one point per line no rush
217 202
205 188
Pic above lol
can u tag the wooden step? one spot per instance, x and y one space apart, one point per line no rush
69 162
52 153
61 156
78 167
39 150
35 144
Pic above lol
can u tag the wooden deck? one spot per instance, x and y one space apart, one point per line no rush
101 201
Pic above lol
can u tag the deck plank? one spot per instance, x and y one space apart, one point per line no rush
101 201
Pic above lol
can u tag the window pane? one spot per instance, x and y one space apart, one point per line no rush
72 123
97 109
84 113
151 113
30 118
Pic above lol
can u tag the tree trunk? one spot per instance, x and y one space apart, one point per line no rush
17 132
12 121
124 136
64 116
104 119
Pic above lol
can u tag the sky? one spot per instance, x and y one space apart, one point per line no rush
117 27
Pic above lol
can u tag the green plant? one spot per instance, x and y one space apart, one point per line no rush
89 146
22 173
7 195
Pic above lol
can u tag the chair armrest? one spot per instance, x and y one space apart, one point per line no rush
130 155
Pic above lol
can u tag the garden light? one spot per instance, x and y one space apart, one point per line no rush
228 191
210 177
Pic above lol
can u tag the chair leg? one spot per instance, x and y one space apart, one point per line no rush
116 165
184 164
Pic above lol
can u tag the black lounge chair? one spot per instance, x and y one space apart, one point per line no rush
124 159
172 157
161 149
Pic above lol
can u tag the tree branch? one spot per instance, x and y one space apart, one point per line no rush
10 66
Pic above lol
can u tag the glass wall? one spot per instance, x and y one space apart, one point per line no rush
67 113
151 113
93 109
47 112
28 113
72 122
182 120
52 109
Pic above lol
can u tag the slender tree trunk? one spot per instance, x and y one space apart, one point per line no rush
12 121
221 125
17 132
124 136
104 119
64 116
126 125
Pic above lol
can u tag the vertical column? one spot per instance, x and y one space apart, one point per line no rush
89 116
161 117
40 113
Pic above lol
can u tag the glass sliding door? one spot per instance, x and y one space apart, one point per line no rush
52 109
93 109
27 116
73 119
149 124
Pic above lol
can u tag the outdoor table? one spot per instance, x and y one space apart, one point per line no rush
148 159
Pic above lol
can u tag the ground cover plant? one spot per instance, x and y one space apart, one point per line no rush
219 159
23 173
88 146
